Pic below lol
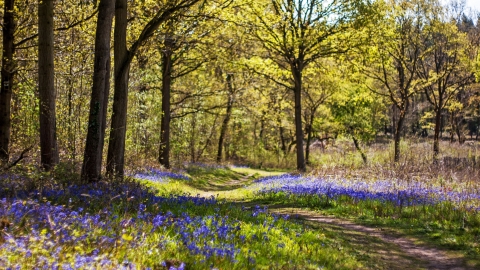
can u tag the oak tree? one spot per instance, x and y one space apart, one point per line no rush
296 33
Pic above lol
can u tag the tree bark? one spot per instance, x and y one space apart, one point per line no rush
116 147
458 129
309 138
226 120
283 140
8 67
193 125
71 134
164 149
142 117
116 143
297 76
92 160
452 127
209 140
436 135
398 136
46 85
103 124
261 134
359 149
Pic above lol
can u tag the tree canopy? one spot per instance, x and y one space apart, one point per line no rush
224 80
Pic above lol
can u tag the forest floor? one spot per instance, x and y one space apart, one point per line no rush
217 217
391 249
383 248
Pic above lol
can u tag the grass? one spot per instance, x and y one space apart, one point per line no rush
217 178
208 216
257 172
133 225
438 224
437 215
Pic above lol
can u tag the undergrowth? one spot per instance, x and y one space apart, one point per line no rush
127 225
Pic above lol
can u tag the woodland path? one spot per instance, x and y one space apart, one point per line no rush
390 249
382 248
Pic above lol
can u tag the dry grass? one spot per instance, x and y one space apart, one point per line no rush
458 164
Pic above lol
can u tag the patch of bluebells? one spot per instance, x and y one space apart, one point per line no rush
258 210
14 185
156 175
204 165
50 228
180 267
240 166
401 193
87 217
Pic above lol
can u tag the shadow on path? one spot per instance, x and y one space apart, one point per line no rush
380 248
392 250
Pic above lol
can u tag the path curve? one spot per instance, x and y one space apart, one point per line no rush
396 251
432 258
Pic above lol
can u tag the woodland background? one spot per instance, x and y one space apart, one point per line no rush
115 85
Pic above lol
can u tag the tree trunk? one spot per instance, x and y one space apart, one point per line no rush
164 151
92 160
309 138
8 67
116 143
226 120
143 131
228 155
359 149
71 118
452 127
281 130
394 120
103 124
262 130
193 136
398 136
209 140
461 137
46 85
436 135
297 75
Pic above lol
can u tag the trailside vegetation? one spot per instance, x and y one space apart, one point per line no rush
120 119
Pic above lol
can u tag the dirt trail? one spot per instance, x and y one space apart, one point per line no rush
388 249
398 252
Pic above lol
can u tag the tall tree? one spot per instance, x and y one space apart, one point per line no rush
446 69
356 110
92 160
186 42
228 114
296 33
167 68
8 71
46 85
316 92
20 46
116 147
231 46
397 55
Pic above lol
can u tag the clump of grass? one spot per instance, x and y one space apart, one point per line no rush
216 177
